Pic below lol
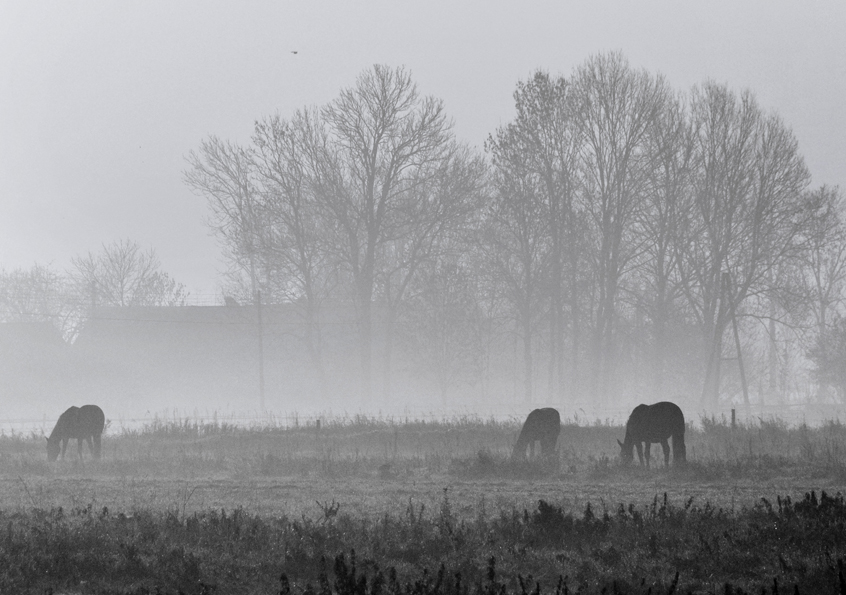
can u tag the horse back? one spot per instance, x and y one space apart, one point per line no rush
546 417
655 423
541 424
92 419
79 422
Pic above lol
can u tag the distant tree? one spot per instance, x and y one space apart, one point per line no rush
660 225
39 294
749 211
348 199
516 234
823 258
439 215
34 294
829 358
224 173
290 226
547 131
618 107
818 288
393 182
122 274
443 325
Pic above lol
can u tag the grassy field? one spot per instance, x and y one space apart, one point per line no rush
212 507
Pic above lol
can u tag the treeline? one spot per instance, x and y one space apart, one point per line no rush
618 236
121 274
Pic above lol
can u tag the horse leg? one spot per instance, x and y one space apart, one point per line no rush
646 450
79 447
90 446
64 446
666 446
97 446
679 449
639 448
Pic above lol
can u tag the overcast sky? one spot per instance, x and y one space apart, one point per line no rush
100 102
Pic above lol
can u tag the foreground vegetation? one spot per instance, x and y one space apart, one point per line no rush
384 506
628 548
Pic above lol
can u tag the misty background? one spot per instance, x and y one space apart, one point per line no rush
512 270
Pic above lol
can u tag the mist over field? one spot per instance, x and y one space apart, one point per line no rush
289 211
619 242
365 299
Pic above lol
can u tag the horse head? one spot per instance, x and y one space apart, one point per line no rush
626 453
52 449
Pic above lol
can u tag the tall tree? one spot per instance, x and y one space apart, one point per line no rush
748 194
41 294
289 224
617 108
547 131
516 236
823 260
443 321
224 173
380 183
122 274
439 209
661 225
828 355
34 294
821 283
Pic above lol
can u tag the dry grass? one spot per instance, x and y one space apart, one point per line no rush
358 473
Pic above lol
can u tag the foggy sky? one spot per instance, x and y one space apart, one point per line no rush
101 101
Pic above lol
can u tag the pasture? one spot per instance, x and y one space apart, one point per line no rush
215 507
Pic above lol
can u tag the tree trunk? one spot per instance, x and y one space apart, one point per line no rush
365 336
528 364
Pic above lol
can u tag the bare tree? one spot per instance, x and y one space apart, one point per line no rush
661 224
748 192
358 192
40 294
547 131
516 235
443 324
30 294
389 148
823 274
821 283
439 209
223 172
828 354
122 274
617 108
289 225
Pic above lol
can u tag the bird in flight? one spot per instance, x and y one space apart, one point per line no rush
293 51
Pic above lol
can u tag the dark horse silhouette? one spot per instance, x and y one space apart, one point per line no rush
83 423
654 423
541 424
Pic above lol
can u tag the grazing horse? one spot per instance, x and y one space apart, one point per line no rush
541 424
83 423
654 423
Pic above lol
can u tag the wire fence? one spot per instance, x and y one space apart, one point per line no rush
792 415
267 419
205 299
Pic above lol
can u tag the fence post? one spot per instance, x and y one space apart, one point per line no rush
732 419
